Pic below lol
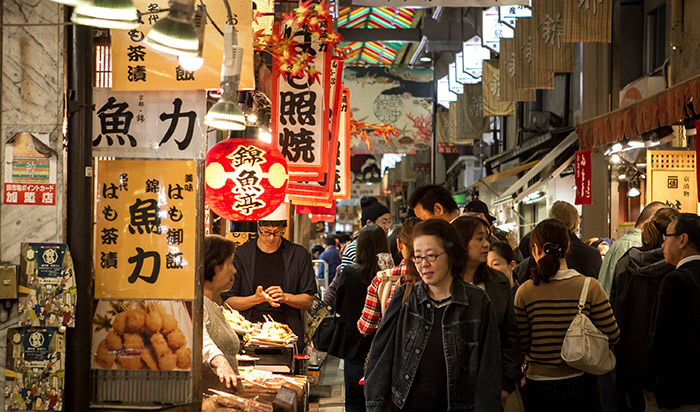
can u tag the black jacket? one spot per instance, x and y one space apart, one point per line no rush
582 258
673 363
347 341
298 278
635 287
500 293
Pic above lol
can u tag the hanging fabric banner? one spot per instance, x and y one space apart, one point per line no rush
582 168
493 105
136 66
588 21
444 128
549 50
300 109
530 75
508 68
341 187
323 190
470 123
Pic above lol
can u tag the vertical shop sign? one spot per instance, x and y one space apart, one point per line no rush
508 67
672 179
550 51
582 167
341 186
529 74
588 21
491 89
300 108
149 124
145 229
30 171
135 66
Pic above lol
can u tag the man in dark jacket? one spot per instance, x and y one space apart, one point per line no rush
673 364
273 277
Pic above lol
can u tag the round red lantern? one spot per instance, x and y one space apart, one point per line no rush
245 179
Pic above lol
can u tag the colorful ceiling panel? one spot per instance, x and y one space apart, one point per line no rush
374 53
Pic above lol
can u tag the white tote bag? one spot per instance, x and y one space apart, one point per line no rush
585 347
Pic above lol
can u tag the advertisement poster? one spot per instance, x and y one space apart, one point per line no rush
399 96
34 369
48 293
145 213
143 334
30 171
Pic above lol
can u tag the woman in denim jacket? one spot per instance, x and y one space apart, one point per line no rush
440 350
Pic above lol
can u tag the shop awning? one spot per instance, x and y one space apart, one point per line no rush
663 109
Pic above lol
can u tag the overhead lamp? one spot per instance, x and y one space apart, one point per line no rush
107 14
226 114
636 143
633 192
265 135
615 158
193 63
251 118
617 147
426 59
175 34
622 176
72 3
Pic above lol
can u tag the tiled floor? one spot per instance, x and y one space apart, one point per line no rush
328 395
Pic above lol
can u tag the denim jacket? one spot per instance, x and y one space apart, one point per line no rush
470 340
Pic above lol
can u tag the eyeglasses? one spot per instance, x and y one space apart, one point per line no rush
429 258
667 235
275 233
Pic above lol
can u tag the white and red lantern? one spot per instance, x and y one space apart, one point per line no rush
245 179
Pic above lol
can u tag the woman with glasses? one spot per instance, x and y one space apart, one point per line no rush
635 287
347 342
474 235
545 305
437 346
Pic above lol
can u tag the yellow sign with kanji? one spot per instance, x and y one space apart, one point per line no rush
671 179
135 66
145 236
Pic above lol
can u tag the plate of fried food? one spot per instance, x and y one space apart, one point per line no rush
150 335
237 322
272 332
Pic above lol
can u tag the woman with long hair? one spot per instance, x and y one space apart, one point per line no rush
347 342
474 235
545 305
405 272
635 286
437 346
220 342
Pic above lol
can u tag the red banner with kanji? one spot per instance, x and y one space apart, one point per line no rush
582 167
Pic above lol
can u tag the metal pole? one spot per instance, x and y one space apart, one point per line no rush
79 205
433 145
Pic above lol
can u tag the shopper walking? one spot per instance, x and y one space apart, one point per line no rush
673 364
433 202
437 347
502 258
347 342
636 284
474 235
545 306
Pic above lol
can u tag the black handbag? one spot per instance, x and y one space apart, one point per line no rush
324 333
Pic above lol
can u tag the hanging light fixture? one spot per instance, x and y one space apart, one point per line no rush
175 34
192 63
72 3
226 114
615 158
633 192
107 14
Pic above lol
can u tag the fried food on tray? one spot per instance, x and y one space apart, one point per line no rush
104 357
236 320
272 332
143 336
114 341
135 319
184 358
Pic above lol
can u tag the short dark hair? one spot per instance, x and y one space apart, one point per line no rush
217 250
316 248
524 246
272 223
329 240
372 240
648 212
429 195
689 223
552 237
466 226
447 235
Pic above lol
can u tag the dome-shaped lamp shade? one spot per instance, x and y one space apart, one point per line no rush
175 34
225 115
108 14
72 3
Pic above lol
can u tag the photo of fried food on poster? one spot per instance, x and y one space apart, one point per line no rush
142 334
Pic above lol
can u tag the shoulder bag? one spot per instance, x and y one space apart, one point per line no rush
585 347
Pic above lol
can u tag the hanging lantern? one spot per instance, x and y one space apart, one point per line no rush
245 179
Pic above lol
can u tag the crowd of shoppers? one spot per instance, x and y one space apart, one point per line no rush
469 320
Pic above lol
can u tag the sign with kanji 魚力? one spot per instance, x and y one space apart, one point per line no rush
145 236
149 124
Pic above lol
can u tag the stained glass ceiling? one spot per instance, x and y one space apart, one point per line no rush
374 53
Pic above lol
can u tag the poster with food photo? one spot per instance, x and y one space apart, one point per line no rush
143 334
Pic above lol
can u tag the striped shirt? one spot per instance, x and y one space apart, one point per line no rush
349 254
544 313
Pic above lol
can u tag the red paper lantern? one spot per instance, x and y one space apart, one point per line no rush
245 179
